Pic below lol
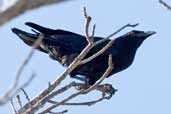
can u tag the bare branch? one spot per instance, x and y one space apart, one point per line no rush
62 112
87 23
85 12
83 103
13 107
22 6
19 100
165 4
104 88
119 30
93 32
123 27
26 95
82 91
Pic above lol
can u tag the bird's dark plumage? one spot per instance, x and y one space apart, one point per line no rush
64 46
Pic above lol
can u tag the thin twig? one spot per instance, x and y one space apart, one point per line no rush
62 112
93 32
165 4
19 100
87 23
13 107
82 103
111 35
26 95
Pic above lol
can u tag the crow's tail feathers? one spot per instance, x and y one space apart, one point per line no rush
28 38
43 30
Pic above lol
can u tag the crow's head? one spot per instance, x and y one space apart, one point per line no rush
139 35
135 38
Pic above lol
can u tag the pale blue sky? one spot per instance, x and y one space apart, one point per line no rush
144 88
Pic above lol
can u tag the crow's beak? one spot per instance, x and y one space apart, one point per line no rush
149 33
28 38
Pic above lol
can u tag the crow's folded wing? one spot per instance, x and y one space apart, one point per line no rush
48 31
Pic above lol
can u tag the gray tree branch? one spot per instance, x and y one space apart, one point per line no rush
22 6
165 4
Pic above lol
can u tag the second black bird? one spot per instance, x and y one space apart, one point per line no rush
64 46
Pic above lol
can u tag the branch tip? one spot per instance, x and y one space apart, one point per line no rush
85 12
133 25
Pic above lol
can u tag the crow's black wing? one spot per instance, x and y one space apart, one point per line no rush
73 43
48 31
65 39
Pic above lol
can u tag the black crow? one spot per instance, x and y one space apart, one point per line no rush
64 46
